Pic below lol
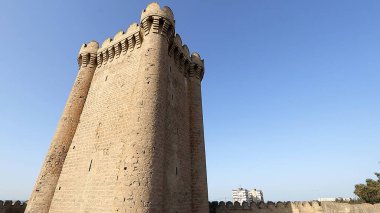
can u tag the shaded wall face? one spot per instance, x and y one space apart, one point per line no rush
177 144
12 207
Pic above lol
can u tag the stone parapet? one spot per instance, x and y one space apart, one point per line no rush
153 20
154 9
292 207
87 54
121 44
197 68
9 206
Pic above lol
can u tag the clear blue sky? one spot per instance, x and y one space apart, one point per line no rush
291 92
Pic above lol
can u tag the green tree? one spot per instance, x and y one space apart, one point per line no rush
370 191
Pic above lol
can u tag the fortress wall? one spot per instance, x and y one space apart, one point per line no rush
177 144
9 206
132 150
293 207
47 181
133 147
91 169
141 183
198 156
280 207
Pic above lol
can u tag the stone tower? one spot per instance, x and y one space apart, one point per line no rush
130 138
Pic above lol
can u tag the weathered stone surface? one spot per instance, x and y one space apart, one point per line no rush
47 181
131 136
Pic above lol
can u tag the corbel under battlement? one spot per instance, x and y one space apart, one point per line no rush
154 19
87 54
122 43
158 20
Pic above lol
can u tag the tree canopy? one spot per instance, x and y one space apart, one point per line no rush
370 191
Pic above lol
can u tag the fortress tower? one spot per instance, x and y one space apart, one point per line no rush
130 138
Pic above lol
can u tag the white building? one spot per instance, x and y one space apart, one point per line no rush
240 195
326 199
333 199
257 195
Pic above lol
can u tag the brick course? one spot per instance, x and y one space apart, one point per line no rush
131 135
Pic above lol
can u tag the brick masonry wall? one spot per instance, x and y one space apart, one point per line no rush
131 150
293 207
215 207
91 167
47 181
198 158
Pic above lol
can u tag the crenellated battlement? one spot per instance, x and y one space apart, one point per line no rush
181 55
157 20
133 118
154 19
191 65
291 207
122 43
8 206
261 205
155 9
87 54
198 66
